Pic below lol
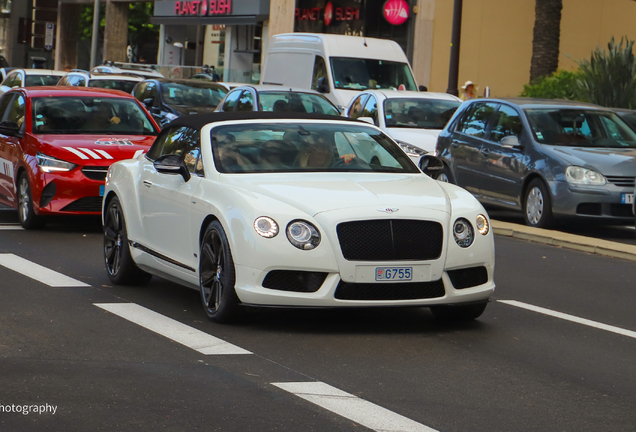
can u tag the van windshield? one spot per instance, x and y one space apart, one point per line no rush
362 74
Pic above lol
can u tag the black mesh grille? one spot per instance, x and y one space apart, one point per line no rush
390 240
592 209
291 280
621 181
622 210
86 204
390 291
468 277
95 172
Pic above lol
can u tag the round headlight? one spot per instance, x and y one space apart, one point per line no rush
266 227
463 232
303 235
482 225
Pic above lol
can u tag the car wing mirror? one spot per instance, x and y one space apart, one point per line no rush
367 120
431 165
510 142
9 128
173 165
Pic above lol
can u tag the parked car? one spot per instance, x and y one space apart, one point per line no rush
30 78
5 71
548 159
56 144
276 98
285 209
168 99
123 69
80 78
413 119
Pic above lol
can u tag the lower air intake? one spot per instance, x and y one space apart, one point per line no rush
86 204
390 291
292 280
468 277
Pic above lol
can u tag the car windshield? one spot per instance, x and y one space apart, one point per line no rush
113 84
580 128
418 113
89 115
41 80
362 74
197 94
306 147
295 102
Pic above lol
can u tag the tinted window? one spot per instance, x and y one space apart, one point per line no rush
16 111
362 74
306 147
192 94
320 73
356 107
12 80
476 122
371 110
125 86
182 142
245 102
89 115
4 105
286 101
150 91
230 101
419 113
139 91
508 123
41 80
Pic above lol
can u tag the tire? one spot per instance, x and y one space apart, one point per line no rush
120 266
26 214
537 205
467 312
217 276
445 176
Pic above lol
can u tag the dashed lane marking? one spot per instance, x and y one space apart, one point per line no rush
172 329
8 227
352 407
571 318
38 272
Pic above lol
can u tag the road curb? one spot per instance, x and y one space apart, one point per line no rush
569 241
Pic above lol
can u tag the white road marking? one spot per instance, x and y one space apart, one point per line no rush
571 318
105 154
352 407
76 152
178 332
7 227
89 152
38 272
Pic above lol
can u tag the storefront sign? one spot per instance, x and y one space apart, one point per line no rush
396 12
330 13
203 7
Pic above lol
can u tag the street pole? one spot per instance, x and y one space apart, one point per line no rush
95 36
453 68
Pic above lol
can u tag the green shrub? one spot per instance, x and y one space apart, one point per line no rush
561 85
609 77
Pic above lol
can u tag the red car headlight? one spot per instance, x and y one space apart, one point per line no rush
51 164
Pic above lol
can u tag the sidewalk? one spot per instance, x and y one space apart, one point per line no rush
570 241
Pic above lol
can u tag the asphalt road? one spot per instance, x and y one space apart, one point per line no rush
512 370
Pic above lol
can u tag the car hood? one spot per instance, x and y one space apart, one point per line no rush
607 161
97 149
426 139
315 193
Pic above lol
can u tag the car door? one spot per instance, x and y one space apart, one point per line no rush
165 199
466 142
12 111
503 165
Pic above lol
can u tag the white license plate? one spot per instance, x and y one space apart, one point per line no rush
393 273
627 198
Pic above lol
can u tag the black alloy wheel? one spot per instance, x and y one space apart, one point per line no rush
120 266
467 312
26 214
217 277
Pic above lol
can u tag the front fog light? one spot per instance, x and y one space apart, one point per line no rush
463 232
482 224
266 227
303 235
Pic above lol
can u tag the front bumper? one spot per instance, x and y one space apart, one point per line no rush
601 202
70 192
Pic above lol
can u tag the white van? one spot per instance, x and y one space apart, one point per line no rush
338 66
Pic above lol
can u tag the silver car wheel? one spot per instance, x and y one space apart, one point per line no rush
23 199
534 205
443 178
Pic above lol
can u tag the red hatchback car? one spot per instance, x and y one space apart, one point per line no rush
56 145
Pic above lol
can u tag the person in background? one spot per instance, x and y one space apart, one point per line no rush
468 91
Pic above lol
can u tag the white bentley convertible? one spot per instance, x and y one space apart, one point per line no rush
283 209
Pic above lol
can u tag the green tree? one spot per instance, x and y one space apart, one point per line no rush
546 38
560 85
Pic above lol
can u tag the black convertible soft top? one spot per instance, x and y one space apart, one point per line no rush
197 121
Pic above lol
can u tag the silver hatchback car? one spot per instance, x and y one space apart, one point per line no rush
546 158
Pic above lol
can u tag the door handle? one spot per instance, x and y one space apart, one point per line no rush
147 183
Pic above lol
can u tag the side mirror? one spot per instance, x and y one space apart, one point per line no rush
423 88
323 86
510 142
366 119
172 164
8 128
431 165
148 102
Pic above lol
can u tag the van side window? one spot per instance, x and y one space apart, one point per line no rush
320 74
